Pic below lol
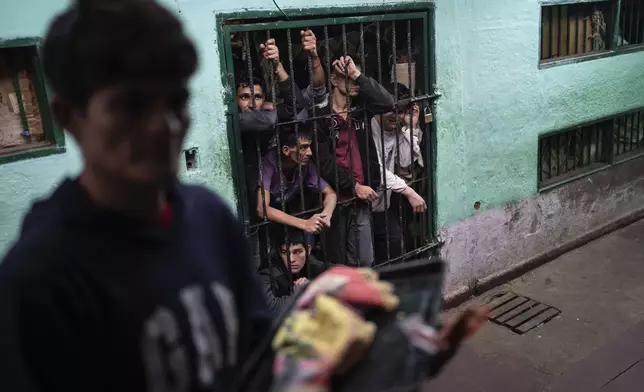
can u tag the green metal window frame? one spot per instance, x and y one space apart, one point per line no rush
229 22
611 160
54 135
615 49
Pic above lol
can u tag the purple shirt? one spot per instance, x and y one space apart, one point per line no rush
271 177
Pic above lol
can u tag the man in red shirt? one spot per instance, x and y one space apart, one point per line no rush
348 158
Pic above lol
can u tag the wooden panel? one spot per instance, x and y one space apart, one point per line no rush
555 32
545 32
563 32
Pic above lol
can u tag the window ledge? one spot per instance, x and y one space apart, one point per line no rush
591 56
30 153
574 176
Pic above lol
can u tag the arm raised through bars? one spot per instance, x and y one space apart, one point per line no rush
376 97
257 121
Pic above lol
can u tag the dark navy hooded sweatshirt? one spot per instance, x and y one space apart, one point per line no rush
94 301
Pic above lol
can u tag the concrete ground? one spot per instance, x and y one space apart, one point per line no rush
596 343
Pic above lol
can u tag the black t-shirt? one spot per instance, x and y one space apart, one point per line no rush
92 301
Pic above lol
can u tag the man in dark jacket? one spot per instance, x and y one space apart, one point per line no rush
258 118
279 282
124 279
348 158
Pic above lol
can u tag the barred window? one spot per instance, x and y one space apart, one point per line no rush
576 29
576 152
26 126
333 111
628 135
631 23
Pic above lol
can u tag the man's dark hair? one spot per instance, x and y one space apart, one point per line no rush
293 237
403 91
245 81
95 43
288 137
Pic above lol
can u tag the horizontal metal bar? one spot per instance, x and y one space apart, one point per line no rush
545 64
304 12
406 102
576 128
597 121
629 156
568 179
297 24
409 255
399 104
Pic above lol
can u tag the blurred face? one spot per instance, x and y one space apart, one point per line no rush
390 121
339 81
245 98
300 154
297 257
133 131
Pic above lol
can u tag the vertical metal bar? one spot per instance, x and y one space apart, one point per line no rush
567 151
257 144
350 125
631 28
617 15
615 139
585 37
640 138
550 26
540 169
558 154
382 145
296 125
263 253
369 137
412 81
630 133
588 145
317 162
575 147
394 50
280 169
327 56
430 129
608 138
622 133
549 140
297 135
638 38
597 143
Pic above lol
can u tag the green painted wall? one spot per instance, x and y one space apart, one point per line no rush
495 102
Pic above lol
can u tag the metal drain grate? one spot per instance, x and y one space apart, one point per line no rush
518 313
